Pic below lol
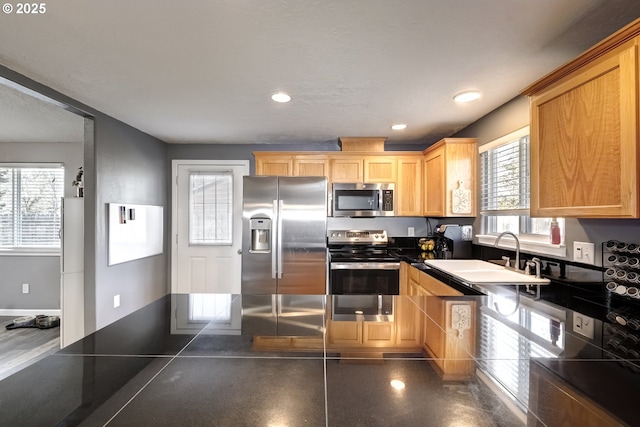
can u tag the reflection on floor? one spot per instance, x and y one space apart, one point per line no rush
22 347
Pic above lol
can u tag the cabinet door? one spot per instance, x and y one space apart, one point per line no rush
409 188
584 141
347 169
310 166
274 165
404 278
344 333
408 322
378 334
380 169
434 182
434 334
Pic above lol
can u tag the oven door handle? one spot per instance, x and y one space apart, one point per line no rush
365 266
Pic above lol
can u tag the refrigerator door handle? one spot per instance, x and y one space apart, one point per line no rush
279 242
274 247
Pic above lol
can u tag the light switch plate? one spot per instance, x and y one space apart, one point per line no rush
584 252
116 301
583 325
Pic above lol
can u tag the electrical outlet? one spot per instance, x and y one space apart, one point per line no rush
583 325
584 252
116 301
411 231
25 288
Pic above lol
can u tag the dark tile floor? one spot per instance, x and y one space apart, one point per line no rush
140 374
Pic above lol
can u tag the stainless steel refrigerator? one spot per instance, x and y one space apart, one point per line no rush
284 229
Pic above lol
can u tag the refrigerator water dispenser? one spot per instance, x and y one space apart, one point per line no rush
260 235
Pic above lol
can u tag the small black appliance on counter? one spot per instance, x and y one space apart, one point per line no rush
453 241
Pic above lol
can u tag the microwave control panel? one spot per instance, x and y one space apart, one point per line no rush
387 200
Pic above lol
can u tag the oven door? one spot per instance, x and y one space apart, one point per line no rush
364 278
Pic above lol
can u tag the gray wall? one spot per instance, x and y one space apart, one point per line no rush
130 168
42 273
515 115
125 165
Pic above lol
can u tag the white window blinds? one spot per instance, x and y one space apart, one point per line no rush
505 178
30 199
210 208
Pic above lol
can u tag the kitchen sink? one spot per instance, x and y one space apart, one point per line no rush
482 272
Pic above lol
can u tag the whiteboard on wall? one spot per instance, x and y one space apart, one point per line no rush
135 231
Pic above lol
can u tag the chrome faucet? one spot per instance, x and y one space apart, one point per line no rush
535 262
516 265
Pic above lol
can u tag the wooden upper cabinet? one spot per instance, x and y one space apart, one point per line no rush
450 178
584 133
379 169
409 186
311 165
434 182
346 169
274 164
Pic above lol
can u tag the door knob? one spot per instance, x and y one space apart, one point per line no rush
239 251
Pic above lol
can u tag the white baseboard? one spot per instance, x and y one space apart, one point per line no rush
19 312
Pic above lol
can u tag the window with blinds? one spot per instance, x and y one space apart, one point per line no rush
505 188
210 208
506 172
30 203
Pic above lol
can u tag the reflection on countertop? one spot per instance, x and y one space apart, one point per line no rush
242 357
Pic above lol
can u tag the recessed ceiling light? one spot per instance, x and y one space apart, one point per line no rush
399 126
467 96
281 97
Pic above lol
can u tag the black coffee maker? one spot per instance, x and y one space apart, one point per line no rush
453 241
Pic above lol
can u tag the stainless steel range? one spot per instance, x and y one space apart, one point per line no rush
359 263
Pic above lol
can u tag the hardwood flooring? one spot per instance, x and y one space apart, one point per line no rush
21 347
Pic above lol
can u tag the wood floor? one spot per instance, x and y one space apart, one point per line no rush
23 346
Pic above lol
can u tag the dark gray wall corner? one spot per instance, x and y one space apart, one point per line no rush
130 168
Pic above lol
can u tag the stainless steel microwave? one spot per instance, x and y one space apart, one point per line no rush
363 200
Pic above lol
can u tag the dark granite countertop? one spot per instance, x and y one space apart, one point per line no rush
598 371
166 364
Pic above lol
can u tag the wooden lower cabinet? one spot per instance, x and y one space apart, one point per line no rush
451 350
344 333
408 323
401 333
349 334
553 402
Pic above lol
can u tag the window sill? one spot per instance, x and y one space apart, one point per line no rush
528 246
28 252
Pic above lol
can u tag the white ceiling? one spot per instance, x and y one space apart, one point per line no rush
203 71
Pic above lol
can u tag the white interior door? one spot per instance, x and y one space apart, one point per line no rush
207 226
